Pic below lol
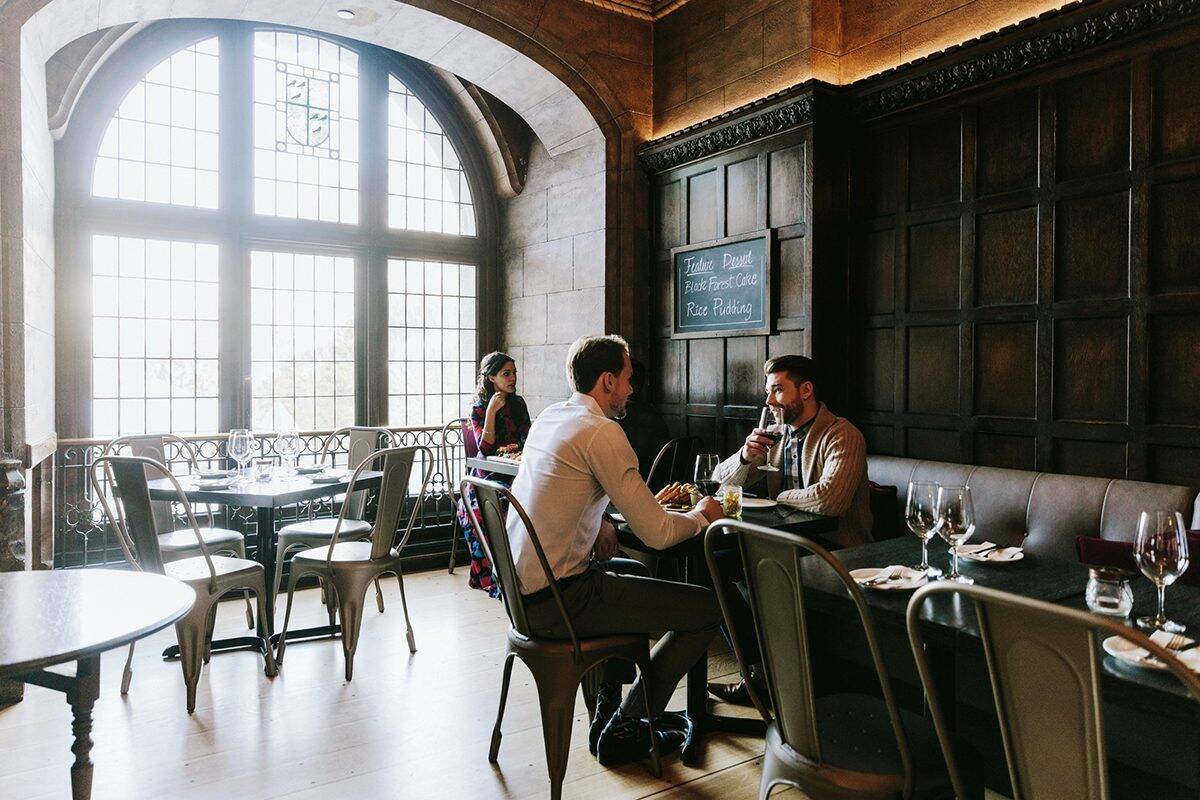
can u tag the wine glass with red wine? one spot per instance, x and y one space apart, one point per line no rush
706 464
770 422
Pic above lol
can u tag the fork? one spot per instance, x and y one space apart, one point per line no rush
884 577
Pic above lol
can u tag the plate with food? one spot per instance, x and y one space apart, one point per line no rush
677 496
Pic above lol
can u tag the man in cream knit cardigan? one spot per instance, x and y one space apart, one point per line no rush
822 468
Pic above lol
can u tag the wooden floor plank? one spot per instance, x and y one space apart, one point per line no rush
409 725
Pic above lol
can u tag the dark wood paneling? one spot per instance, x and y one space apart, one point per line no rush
1092 247
786 199
874 369
1007 144
1005 369
1175 237
1093 123
706 378
935 445
703 200
933 266
744 356
1175 369
875 174
670 218
1090 370
933 370
1168 464
1004 451
1176 124
872 272
1082 457
741 197
935 162
794 286
1006 257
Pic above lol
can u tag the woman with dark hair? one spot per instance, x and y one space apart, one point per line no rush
499 423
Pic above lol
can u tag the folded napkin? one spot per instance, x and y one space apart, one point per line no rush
999 554
1175 643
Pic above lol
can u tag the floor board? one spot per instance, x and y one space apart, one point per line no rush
409 725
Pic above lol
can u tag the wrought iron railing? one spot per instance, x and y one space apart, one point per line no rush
84 537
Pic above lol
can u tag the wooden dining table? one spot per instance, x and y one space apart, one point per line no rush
1152 728
266 497
690 555
54 617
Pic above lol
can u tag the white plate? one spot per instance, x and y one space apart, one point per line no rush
758 502
212 474
909 579
1129 653
1001 555
327 477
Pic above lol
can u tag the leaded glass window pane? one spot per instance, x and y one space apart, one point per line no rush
154 336
301 340
427 189
161 145
305 128
431 341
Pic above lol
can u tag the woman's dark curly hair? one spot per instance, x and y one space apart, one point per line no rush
489 367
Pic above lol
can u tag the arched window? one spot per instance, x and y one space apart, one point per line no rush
274 227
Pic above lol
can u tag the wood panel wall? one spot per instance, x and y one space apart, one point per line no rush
1016 269
713 388
1025 278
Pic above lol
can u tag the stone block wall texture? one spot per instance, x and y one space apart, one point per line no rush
712 56
553 267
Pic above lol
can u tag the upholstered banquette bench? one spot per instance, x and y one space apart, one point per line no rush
1045 510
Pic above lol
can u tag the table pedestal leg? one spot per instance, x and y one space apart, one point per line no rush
265 555
81 697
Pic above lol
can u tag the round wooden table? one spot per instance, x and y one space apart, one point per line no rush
52 617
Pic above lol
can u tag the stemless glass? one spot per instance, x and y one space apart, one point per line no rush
1161 552
241 448
288 444
770 421
920 512
955 523
706 464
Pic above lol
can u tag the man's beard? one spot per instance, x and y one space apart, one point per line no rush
619 412
793 413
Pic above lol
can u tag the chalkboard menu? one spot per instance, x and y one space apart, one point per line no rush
723 288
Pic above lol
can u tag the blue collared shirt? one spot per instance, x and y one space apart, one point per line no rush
793 442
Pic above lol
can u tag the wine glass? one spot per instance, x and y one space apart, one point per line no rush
955 523
288 444
920 512
770 422
1161 552
241 449
706 464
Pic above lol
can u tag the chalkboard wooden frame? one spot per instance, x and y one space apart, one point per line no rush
768 326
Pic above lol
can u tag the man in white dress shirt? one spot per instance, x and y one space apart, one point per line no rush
576 459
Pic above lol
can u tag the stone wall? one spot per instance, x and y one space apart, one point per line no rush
712 56
553 267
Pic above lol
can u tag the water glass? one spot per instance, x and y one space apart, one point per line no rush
706 465
1161 552
920 513
241 449
731 501
263 467
955 523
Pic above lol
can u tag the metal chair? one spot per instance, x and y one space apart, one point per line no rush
211 577
176 544
838 746
451 486
558 667
673 462
346 568
361 442
1045 670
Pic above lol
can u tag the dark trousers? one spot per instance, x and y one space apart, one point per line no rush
602 603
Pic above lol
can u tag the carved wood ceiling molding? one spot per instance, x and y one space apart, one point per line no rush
642 9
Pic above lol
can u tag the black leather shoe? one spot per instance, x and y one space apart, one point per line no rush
735 693
626 740
608 700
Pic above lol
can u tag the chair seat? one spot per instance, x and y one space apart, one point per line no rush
195 570
323 528
856 735
342 551
185 539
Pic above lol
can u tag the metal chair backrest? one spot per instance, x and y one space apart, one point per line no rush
361 442
490 520
1045 672
674 462
774 578
445 449
131 514
154 446
393 492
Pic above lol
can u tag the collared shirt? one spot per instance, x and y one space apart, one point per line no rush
574 461
793 442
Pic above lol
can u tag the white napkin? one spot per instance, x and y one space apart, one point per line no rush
999 554
1191 658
